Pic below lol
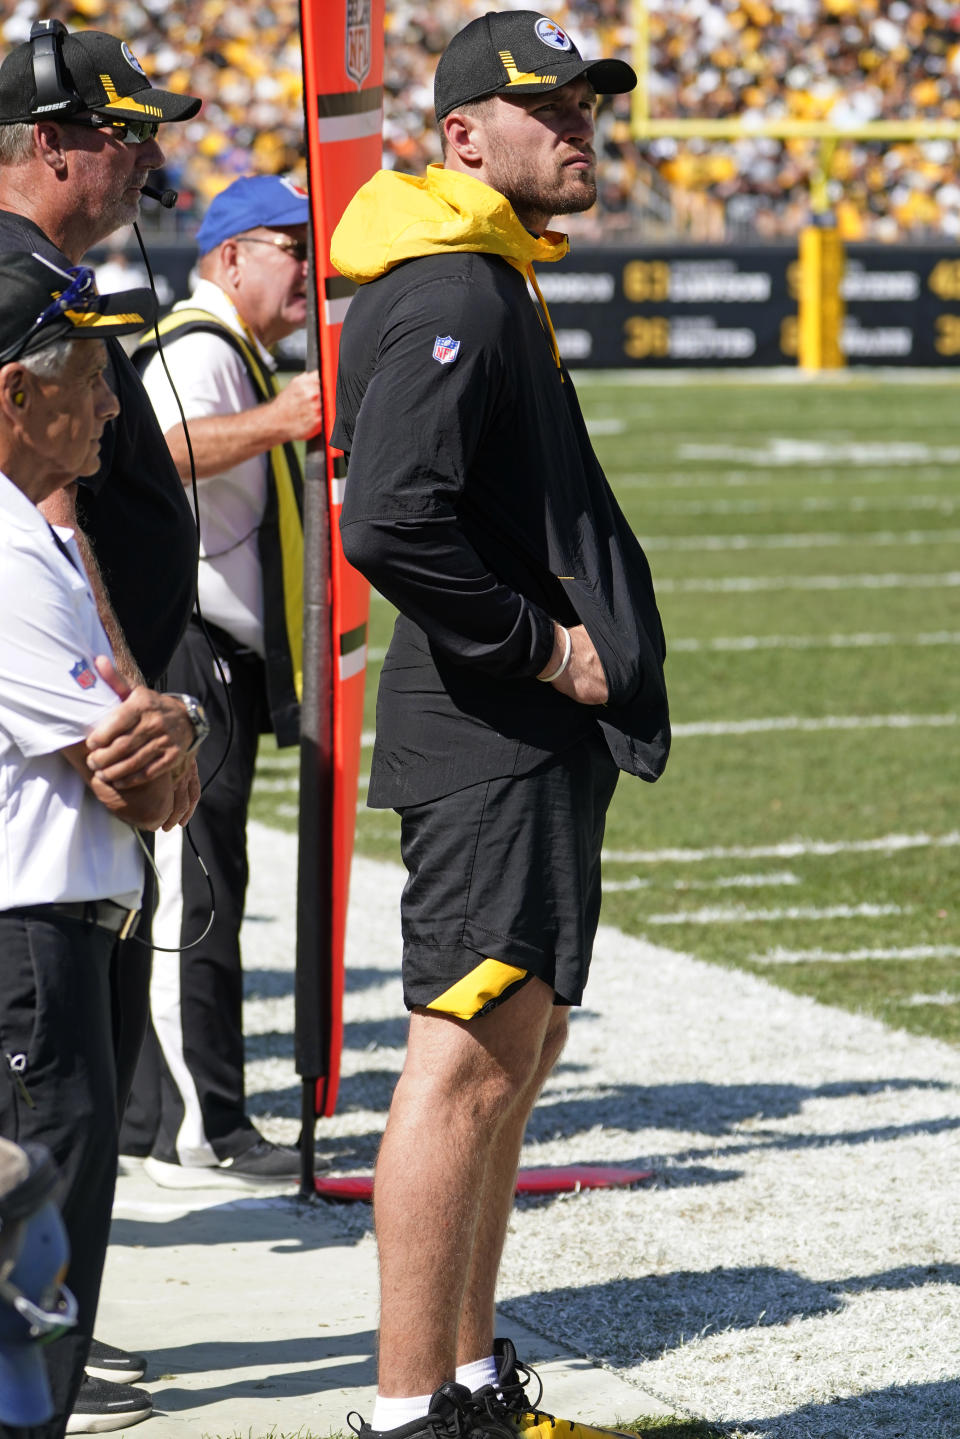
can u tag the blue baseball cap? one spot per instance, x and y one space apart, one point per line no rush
250 201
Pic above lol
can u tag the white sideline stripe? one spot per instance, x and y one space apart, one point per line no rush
857 505
789 849
608 426
842 956
708 729
738 914
822 475
749 584
827 539
942 997
786 450
747 643
733 881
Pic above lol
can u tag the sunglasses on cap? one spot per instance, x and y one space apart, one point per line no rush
81 285
131 132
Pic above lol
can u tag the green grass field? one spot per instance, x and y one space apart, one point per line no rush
803 538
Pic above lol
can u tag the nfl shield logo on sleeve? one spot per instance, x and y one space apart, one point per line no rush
446 349
85 677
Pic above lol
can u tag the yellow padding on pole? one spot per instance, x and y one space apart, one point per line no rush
821 309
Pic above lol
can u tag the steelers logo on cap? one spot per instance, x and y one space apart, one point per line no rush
132 60
550 33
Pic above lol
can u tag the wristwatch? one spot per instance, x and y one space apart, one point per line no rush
197 716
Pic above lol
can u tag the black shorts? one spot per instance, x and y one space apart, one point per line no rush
504 883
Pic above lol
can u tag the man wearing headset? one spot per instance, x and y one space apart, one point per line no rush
78 141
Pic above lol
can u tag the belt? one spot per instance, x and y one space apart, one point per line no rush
103 912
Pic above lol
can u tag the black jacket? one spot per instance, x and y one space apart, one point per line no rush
475 503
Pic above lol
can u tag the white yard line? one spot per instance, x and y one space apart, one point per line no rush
735 644
700 729
733 881
787 451
846 956
810 504
832 475
789 849
825 540
750 584
739 914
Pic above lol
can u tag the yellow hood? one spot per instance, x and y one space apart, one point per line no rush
401 217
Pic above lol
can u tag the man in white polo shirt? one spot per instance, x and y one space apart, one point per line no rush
251 293
71 867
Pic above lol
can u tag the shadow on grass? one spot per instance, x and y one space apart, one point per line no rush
634 1321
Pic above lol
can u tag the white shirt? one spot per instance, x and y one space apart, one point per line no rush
211 379
57 841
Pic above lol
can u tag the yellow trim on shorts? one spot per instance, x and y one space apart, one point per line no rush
485 982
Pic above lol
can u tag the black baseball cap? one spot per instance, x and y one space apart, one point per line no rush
41 303
86 71
518 52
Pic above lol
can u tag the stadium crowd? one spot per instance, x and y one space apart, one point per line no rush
842 61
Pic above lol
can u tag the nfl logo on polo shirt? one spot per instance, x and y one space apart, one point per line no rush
446 349
84 675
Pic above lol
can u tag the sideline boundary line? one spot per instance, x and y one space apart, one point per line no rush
791 849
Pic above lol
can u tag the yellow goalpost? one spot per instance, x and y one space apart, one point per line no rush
820 247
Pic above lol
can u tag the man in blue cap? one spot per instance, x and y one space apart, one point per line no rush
251 293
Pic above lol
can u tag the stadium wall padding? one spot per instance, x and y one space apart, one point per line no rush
637 306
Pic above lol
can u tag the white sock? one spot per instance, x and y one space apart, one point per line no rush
391 1413
477 1374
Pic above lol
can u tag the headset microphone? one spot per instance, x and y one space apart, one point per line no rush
167 198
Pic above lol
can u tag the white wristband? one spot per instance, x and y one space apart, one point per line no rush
567 651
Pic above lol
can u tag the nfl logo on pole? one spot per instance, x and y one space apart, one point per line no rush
358 47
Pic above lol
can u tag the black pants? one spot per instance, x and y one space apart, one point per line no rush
58 1088
188 1100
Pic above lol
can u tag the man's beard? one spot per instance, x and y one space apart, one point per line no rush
570 192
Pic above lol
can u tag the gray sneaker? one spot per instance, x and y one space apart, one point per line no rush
263 1165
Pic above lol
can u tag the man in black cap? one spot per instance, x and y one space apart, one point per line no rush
525 671
78 141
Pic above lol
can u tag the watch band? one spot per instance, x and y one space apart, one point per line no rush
197 716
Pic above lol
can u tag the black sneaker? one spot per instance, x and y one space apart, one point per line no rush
263 1164
105 1361
453 1414
102 1406
511 1405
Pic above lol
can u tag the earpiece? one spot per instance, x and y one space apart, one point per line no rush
19 398
55 96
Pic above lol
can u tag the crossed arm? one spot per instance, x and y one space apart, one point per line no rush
148 734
